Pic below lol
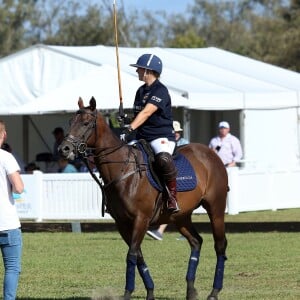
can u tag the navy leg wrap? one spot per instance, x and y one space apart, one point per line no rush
219 272
193 264
130 272
145 274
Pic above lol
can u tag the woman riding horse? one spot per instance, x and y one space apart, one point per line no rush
153 122
135 204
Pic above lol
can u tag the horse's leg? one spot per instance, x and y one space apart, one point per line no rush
195 240
218 229
133 236
145 275
125 229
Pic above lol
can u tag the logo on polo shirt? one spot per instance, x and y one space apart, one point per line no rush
156 99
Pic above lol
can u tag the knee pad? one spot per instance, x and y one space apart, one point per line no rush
165 165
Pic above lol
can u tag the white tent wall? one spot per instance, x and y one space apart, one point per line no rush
271 138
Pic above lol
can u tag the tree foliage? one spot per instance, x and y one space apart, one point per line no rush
15 18
267 30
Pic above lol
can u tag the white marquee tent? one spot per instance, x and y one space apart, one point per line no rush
49 79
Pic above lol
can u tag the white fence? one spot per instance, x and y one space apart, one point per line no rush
52 196
78 197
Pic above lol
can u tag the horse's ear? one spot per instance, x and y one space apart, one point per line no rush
80 103
93 103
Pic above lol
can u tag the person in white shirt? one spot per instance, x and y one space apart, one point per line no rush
226 145
10 226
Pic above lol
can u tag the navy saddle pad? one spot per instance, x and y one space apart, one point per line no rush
186 178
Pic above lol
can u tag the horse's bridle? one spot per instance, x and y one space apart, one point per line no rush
80 146
79 143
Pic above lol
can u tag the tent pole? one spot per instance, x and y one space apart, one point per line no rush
186 119
187 123
242 132
25 138
298 126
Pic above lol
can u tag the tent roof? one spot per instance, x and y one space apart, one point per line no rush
106 93
47 79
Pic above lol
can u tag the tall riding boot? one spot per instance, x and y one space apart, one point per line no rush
167 169
172 201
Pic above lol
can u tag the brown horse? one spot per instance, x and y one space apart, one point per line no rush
133 202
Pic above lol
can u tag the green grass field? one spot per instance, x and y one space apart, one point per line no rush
282 215
83 266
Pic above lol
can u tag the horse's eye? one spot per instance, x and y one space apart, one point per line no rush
86 123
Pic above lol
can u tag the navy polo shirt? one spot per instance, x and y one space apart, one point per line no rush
159 124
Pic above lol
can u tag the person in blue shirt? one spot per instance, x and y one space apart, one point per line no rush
65 166
153 122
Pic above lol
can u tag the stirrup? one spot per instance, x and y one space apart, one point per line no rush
173 209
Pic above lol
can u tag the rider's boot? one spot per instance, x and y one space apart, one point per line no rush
168 171
172 200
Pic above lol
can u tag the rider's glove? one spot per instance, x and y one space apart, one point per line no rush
122 120
125 133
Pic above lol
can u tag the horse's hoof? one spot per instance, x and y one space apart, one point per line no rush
192 294
150 295
127 295
213 295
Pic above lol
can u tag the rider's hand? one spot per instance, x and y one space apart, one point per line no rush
125 133
122 119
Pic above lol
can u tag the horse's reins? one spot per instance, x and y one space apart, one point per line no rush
103 186
114 149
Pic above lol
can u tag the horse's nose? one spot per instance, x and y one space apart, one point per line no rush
64 150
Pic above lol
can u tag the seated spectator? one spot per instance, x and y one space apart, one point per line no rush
65 166
90 161
31 167
180 141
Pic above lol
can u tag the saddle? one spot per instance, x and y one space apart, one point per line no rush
186 178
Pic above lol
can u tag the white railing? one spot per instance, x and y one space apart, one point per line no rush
52 196
78 197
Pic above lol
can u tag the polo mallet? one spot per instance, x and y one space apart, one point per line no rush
121 110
